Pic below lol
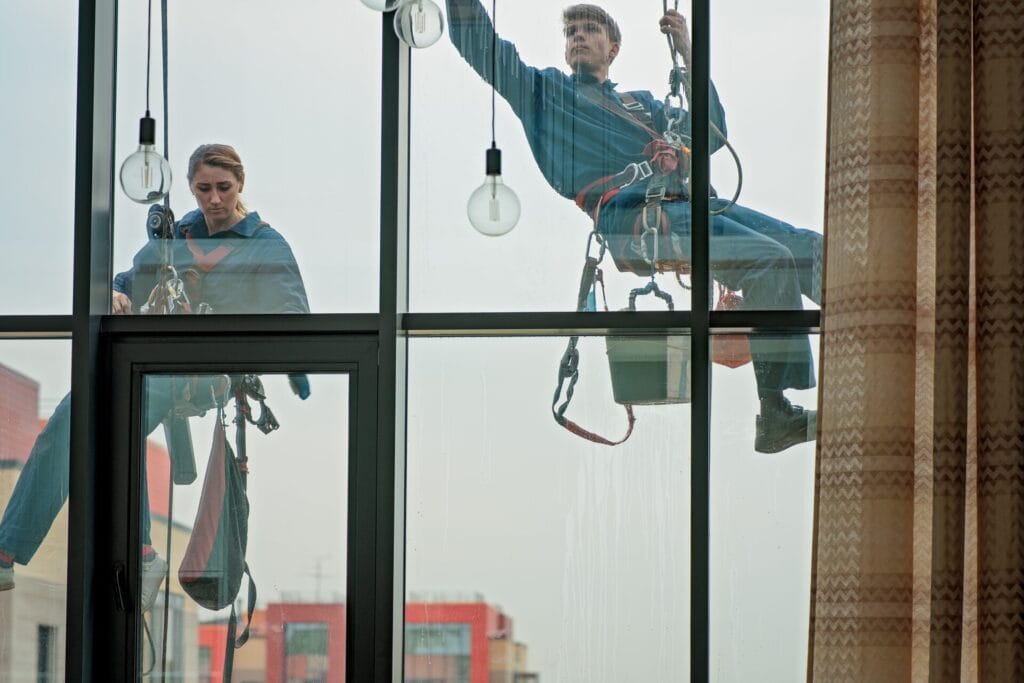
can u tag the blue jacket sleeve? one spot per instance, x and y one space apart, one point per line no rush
472 33
123 283
718 119
136 282
281 287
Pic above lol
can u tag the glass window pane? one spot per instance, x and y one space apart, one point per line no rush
295 90
37 134
559 135
294 484
305 652
34 380
769 68
534 552
762 506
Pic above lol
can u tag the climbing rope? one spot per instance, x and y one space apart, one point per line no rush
678 82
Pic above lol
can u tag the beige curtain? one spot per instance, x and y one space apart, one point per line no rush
919 526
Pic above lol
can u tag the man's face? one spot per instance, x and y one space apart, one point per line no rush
588 49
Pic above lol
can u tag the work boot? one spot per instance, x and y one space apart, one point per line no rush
782 424
153 572
6 577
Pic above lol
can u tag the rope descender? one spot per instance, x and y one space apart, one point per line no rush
678 90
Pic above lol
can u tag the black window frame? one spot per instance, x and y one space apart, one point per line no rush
94 335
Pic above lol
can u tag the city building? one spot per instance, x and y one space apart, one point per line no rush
445 642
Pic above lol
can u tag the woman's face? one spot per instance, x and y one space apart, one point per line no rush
216 191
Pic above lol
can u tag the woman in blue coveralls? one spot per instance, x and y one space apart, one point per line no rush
587 136
235 263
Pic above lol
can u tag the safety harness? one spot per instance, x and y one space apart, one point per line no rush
666 170
569 367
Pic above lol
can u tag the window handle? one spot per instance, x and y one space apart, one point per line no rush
121 592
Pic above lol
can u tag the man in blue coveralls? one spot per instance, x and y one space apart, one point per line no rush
604 149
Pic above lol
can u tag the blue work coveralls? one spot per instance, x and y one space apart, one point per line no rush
576 139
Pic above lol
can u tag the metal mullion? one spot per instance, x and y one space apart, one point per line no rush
94 145
220 325
199 354
766 322
378 651
35 326
437 325
700 436
543 324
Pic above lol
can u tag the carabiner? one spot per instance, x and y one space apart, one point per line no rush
595 236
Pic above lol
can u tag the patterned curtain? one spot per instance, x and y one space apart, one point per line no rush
919 526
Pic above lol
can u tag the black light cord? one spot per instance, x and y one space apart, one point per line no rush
149 41
167 118
494 70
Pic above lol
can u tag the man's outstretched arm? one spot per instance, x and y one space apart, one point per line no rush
471 32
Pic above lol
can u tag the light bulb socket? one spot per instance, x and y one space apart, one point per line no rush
147 130
494 161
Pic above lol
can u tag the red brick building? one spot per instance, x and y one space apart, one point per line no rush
19 416
445 642
32 616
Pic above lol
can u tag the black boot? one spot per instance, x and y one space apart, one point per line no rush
782 424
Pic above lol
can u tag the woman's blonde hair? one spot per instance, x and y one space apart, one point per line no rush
219 156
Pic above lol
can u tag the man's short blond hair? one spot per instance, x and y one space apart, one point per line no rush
593 13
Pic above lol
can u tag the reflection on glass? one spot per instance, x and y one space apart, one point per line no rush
534 552
33 488
244 508
219 258
315 182
761 526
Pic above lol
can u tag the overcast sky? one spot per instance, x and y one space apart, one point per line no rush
585 547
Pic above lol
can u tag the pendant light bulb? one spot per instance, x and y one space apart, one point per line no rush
146 175
419 23
383 5
493 207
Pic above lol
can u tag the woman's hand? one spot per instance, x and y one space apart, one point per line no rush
120 304
674 24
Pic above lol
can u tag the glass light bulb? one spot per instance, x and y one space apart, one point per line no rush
419 23
146 175
493 207
383 5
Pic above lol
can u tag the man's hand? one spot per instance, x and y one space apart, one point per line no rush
120 304
674 24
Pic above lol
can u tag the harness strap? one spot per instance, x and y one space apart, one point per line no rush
207 261
662 160
598 193
568 368
625 112
637 109
597 438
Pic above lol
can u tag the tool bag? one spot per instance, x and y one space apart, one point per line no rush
214 564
